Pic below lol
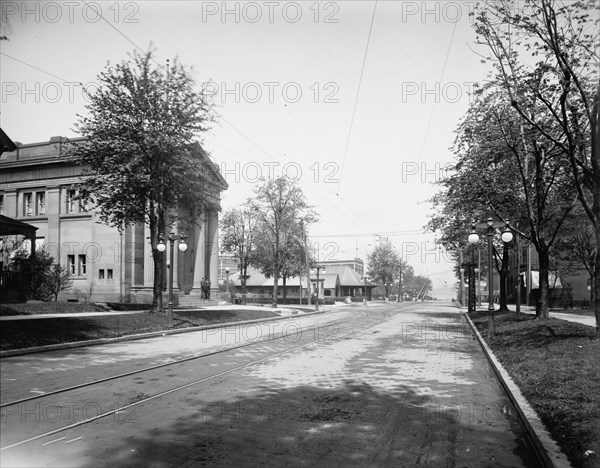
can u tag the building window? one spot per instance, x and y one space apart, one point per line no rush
41 203
70 199
81 266
101 274
71 264
27 204
109 274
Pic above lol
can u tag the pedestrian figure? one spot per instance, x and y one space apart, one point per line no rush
207 289
204 289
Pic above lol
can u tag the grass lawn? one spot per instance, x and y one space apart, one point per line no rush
15 334
555 364
31 307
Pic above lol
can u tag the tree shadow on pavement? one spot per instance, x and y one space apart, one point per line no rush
351 425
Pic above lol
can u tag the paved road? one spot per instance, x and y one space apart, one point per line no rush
392 385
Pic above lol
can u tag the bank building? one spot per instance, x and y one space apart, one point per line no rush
38 186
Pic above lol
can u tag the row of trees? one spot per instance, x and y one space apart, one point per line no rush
269 232
527 149
387 268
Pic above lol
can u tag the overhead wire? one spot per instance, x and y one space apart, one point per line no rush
427 127
362 70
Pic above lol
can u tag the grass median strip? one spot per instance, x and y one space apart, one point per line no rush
555 364
16 334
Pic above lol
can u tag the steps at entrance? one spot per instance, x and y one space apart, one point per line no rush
190 301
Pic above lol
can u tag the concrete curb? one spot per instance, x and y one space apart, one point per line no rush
141 336
547 450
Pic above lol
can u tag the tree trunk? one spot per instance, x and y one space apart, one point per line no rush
503 279
157 226
243 272
541 309
284 277
596 283
275 281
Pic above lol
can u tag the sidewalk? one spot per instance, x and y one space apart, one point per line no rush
283 310
582 319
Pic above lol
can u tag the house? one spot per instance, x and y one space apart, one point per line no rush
351 277
563 289
337 280
38 185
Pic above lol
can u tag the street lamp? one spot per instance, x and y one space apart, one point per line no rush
490 225
226 280
473 239
161 247
365 278
319 268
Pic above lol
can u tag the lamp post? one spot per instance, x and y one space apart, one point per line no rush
318 268
161 248
226 280
365 299
490 225
470 265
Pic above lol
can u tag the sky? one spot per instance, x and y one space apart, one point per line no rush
358 100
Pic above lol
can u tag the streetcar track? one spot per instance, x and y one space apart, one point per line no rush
147 369
167 392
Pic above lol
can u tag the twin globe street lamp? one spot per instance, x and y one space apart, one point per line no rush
490 225
161 247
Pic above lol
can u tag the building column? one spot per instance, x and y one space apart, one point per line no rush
53 208
197 252
212 249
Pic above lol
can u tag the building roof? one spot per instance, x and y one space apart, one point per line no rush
256 278
9 226
348 276
6 144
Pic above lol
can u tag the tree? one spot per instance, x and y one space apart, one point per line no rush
239 230
58 279
281 205
559 45
34 275
140 155
384 265
510 170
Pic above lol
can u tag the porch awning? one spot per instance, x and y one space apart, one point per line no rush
9 227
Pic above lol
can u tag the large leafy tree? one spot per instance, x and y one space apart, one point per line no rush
140 150
282 207
509 170
384 264
556 44
239 236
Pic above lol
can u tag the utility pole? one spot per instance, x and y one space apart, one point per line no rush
400 284
307 266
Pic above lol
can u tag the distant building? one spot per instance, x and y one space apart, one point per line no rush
563 289
338 280
357 264
38 185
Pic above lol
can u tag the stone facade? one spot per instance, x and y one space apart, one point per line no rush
38 186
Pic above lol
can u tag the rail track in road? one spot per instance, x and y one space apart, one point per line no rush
180 368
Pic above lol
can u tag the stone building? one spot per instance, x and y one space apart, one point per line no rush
38 185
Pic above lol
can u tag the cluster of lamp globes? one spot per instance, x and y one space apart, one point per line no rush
507 235
161 247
